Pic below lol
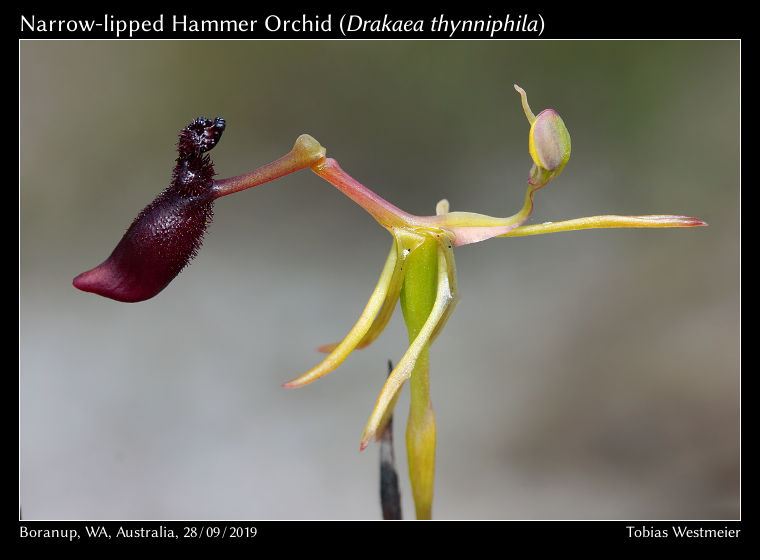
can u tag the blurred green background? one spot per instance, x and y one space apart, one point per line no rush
584 375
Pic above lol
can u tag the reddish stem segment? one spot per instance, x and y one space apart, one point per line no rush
263 174
383 211
305 153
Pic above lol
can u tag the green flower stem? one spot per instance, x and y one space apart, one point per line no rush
418 296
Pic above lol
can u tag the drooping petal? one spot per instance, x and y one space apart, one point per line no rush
446 244
451 271
341 351
386 311
387 398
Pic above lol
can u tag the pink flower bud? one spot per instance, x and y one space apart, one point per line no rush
549 141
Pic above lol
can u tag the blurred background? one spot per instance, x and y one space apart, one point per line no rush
584 375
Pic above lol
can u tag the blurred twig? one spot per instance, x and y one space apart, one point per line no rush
390 497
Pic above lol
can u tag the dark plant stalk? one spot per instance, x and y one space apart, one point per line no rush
390 497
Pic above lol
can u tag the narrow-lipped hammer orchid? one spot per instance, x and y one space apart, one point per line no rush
419 271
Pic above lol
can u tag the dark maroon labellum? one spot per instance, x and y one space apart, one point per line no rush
167 234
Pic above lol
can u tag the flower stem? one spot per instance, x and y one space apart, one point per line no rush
305 153
418 296
383 211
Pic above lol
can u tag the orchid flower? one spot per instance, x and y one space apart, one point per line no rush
419 270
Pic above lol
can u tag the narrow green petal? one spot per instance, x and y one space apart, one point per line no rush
365 321
528 113
451 271
389 305
609 221
386 311
405 241
403 369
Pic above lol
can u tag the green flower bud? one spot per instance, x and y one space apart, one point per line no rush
548 143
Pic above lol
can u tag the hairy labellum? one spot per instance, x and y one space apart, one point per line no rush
167 234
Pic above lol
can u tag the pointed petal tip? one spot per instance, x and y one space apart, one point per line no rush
327 348
367 437
683 221
296 383
670 220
